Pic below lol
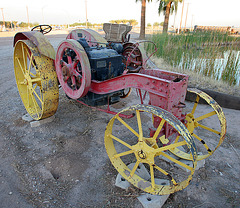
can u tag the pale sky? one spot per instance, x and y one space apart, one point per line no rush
200 12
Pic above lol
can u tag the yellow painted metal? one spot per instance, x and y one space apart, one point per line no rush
146 150
36 80
193 123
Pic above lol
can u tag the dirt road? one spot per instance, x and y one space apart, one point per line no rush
64 163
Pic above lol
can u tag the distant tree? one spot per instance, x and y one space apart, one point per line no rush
133 22
167 7
149 25
124 21
23 24
156 24
143 18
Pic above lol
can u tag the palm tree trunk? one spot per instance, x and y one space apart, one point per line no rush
166 19
143 15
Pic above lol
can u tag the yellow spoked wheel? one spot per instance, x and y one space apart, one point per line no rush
36 80
129 146
207 125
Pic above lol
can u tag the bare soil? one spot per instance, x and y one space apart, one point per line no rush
64 163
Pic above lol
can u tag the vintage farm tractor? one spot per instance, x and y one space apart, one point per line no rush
158 134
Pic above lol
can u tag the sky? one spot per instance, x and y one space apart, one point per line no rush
196 12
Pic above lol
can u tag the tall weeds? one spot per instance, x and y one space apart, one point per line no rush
208 53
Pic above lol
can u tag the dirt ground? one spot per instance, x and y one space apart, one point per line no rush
64 163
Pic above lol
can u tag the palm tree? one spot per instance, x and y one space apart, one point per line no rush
143 18
167 6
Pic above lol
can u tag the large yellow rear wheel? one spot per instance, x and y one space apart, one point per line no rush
36 80
130 146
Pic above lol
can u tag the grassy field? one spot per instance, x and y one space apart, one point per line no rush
213 55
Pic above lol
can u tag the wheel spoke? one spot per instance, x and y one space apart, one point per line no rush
24 60
126 125
169 147
139 125
177 161
134 168
34 75
28 95
34 103
166 173
203 142
209 129
195 104
37 96
152 176
73 82
69 59
159 129
205 116
123 153
23 71
76 73
120 141
29 67
37 79
34 66
176 140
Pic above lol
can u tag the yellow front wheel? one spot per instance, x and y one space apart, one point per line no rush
36 80
129 146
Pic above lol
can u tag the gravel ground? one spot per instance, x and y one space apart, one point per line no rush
64 163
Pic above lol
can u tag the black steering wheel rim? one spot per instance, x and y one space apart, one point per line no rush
41 29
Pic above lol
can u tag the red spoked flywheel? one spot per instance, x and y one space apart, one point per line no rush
73 68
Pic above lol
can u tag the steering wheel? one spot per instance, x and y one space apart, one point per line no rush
44 29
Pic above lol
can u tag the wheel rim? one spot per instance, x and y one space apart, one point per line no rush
133 146
213 123
36 80
73 69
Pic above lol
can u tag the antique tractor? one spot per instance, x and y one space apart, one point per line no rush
158 134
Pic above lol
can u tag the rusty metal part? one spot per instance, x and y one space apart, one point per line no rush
73 68
39 40
36 80
128 142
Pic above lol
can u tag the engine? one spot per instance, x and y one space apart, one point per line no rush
106 63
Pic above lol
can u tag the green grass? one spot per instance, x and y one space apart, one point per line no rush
207 53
